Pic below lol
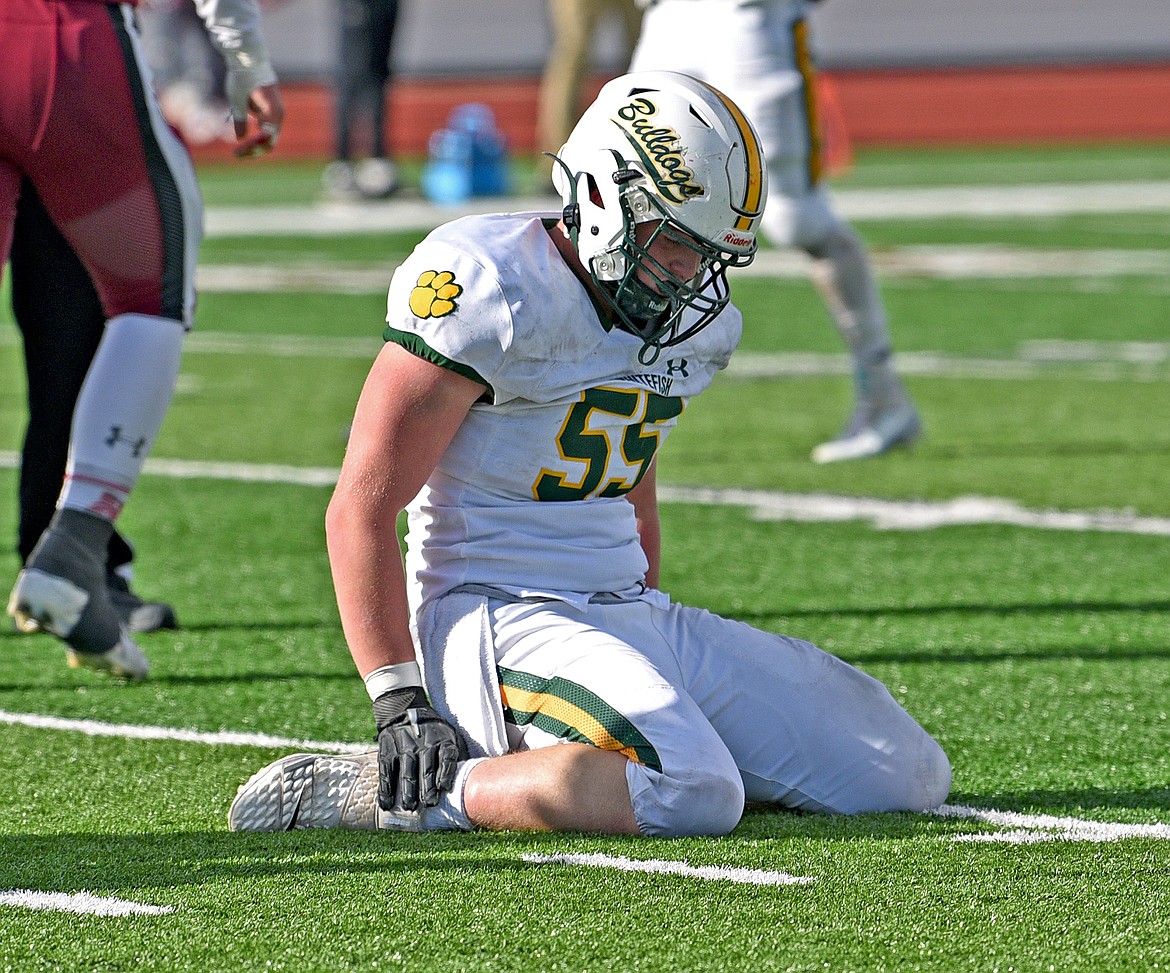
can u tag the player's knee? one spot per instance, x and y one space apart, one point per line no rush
697 801
806 220
916 777
923 777
837 242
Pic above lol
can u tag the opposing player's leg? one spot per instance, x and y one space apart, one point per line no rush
61 321
135 225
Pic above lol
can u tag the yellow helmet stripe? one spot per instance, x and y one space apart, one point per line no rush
754 156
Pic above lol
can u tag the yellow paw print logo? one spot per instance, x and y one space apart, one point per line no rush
434 294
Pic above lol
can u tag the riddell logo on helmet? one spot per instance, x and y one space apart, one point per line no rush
735 240
659 149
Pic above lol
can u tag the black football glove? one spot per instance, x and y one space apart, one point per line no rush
417 750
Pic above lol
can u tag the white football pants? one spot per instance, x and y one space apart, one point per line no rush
711 712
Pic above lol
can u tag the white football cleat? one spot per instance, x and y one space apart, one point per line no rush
872 431
376 178
312 790
339 180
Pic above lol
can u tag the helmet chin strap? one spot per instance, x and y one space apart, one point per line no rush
571 214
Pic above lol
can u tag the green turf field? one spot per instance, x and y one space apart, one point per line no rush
1007 579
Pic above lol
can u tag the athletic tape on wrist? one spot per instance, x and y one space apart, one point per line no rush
401 675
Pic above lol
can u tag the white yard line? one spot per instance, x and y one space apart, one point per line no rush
1034 828
1090 361
1018 828
713 873
762 504
223 738
979 262
1040 199
939 262
79 903
913 514
1034 199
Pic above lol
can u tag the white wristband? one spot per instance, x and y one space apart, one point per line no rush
398 676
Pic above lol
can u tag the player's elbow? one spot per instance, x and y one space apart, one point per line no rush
353 516
337 523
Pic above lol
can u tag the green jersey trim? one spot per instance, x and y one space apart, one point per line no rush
416 346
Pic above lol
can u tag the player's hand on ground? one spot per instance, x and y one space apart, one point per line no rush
417 750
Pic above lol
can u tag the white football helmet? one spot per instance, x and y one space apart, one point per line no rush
664 147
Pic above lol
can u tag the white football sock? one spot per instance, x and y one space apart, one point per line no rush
120 411
449 813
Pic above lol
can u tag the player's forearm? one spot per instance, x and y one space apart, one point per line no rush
234 26
370 584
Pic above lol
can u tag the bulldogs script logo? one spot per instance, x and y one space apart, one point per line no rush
659 149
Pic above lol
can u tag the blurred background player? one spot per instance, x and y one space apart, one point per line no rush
187 70
757 53
574 23
361 74
81 124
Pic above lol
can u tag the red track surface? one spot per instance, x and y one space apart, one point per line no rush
887 107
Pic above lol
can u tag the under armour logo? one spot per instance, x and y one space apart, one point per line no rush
115 437
677 365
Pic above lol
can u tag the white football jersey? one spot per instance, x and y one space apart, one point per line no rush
529 496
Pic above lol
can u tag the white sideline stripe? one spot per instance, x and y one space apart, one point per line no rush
913 514
181 469
714 873
1033 828
913 203
82 903
763 504
977 261
99 728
